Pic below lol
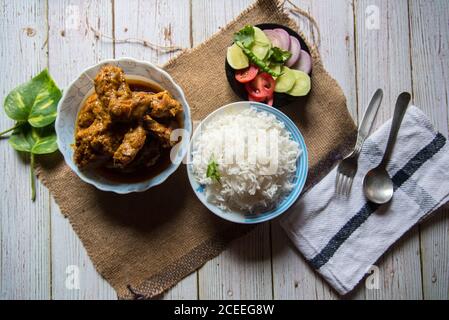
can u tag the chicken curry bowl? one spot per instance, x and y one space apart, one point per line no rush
124 128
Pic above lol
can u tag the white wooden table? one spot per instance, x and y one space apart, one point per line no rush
408 51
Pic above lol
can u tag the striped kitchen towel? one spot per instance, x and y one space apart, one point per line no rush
343 237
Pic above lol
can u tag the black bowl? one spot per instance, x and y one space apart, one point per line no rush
280 99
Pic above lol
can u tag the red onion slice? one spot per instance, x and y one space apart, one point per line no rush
284 37
305 62
295 50
274 37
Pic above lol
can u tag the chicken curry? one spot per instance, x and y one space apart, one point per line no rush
124 128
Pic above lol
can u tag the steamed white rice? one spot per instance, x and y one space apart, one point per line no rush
256 159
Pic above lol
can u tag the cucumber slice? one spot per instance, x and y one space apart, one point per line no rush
285 81
260 38
276 68
261 44
260 51
302 84
236 58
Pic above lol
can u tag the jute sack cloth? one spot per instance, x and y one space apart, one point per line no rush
145 243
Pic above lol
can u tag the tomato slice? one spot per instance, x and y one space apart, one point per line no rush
265 83
268 99
262 86
254 92
261 89
246 75
255 99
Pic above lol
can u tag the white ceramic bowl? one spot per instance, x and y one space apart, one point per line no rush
71 102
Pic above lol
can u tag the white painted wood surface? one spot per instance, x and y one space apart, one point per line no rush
24 226
383 61
409 51
429 24
69 38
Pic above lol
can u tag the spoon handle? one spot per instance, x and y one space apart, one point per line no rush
399 112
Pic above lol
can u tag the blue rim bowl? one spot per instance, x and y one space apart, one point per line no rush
298 181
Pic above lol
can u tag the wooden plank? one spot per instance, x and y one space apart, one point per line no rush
161 23
186 289
430 51
243 271
157 21
383 61
209 16
24 225
73 48
336 22
293 278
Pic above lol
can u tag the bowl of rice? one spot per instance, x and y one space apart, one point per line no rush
247 162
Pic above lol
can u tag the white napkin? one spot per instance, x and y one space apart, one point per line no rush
343 237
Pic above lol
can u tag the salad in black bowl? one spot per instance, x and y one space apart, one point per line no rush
269 63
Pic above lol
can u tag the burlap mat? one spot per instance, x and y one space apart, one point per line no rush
143 244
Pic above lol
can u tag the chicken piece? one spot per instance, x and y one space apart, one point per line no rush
87 115
92 109
107 143
95 143
151 152
164 106
83 154
121 109
162 132
133 141
159 105
148 155
110 83
130 109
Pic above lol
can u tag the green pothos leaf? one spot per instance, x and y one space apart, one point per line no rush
21 139
45 144
34 101
33 105
34 140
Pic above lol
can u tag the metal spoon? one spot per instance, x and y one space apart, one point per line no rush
377 184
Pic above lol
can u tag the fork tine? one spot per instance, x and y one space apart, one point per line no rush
338 182
344 184
341 184
349 186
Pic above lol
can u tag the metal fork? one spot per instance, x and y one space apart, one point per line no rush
348 166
